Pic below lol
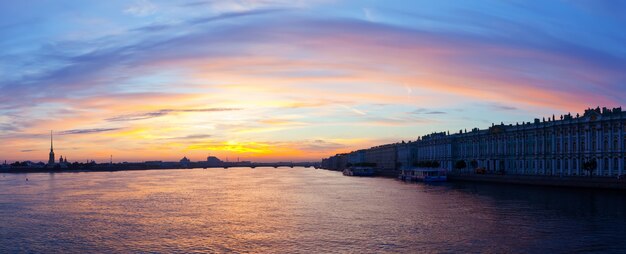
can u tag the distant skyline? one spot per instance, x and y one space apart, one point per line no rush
296 80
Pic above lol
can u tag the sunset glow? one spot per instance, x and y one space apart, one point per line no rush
291 80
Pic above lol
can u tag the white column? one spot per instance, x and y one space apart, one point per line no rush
621 151
536 165
620 141
600 165
560 169
587 141
569 166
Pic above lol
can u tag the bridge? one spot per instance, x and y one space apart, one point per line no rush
270 164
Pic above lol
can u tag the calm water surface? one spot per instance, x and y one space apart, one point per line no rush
298 210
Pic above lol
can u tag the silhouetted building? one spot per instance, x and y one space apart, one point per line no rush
51 157
213 161
184 162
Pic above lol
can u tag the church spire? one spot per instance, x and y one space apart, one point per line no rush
51 158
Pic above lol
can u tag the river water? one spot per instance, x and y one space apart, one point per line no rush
298 210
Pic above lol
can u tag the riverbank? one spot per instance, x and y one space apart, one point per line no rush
555 181
44 170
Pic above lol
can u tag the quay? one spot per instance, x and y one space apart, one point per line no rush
553 181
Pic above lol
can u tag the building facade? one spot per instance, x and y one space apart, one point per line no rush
385 157
544 147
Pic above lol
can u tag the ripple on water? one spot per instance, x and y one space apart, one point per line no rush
297 210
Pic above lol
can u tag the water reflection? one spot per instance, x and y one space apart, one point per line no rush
297 210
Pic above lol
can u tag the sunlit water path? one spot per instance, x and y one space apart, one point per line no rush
297 210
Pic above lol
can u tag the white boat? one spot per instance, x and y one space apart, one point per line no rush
423 175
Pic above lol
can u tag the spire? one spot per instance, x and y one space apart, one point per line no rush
51 157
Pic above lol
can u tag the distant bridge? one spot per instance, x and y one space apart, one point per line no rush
270 164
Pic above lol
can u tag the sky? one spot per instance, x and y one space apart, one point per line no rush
278 80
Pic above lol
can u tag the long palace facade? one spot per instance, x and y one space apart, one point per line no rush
553 146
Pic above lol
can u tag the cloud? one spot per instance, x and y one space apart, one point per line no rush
86 131
196 4
191 137
502 107
163 112
279 62
141 8
230 15
319 145
427 112
7 127
205 20
354 110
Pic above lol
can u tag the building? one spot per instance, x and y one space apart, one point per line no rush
184 162
542 147
337 162
356 157
212 161
436 147
385 157
407 154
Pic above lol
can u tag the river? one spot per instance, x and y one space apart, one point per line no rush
298 210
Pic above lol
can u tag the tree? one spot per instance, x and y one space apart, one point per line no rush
590 166
436 164
460 164
427 164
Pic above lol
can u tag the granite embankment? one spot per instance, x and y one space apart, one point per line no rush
557 181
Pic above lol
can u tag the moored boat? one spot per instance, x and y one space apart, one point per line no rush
359 171
423 175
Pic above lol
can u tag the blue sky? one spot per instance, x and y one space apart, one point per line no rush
270 80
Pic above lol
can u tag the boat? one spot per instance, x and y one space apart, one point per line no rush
358 171
423 175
